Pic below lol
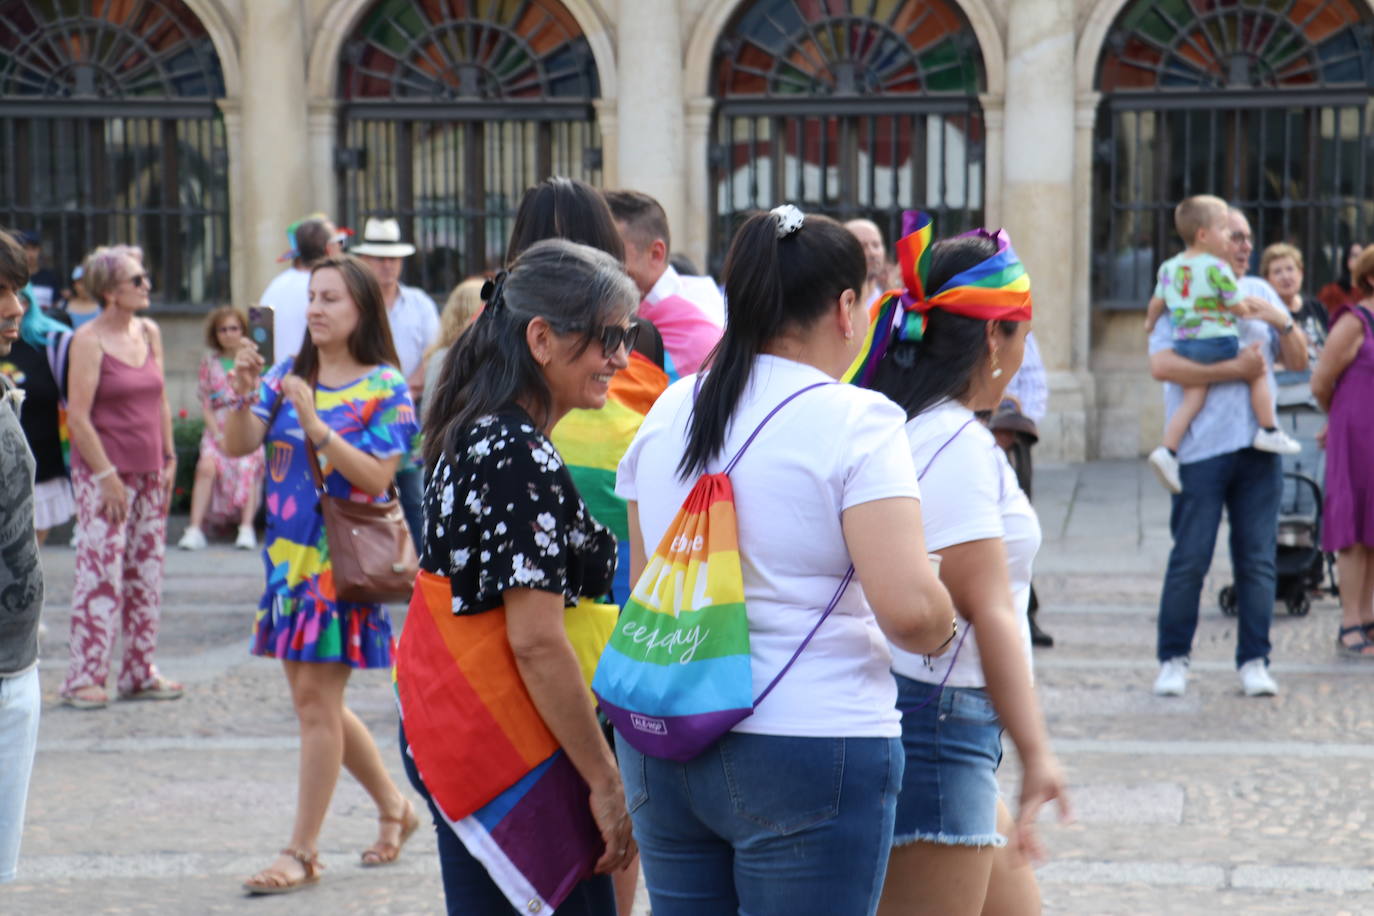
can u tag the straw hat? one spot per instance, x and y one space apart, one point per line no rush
382 239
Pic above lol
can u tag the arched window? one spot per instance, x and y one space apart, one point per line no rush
850 108
109 133
1264 104
451 111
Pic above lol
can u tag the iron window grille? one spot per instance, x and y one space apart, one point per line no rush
1265 105
109 133
849 109
450 114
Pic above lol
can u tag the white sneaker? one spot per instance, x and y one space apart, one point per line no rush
1173 677
1165 466
1278 442
247 539
1254 677
193 539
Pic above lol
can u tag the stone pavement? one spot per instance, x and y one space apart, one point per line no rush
1209 803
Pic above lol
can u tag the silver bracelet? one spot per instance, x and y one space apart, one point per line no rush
105 473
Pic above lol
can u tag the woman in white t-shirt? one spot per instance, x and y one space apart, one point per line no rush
792 811
953 342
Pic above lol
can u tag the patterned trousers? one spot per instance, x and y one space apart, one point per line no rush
118 576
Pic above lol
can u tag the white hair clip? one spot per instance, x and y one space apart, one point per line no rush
789 219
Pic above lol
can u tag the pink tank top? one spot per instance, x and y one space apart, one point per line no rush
127 413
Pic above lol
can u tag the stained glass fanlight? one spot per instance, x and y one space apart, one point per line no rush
447 50
847 48
1226 44
105 49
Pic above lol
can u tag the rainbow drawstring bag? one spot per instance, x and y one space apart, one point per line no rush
677 673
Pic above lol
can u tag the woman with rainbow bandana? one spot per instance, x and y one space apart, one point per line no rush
942 348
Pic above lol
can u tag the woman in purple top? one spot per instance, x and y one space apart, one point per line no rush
123 466
1343 383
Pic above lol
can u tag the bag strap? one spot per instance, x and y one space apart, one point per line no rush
764 422
849 574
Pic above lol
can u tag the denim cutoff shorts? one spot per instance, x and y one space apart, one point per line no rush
1208 350
953 747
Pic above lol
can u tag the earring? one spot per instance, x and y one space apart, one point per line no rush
996 369
849 335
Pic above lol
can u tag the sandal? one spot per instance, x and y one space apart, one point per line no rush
1358 649
159 689
275 881
86 698
382 853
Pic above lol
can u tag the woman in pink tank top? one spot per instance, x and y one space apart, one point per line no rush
123 466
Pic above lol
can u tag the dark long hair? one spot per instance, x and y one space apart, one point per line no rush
564 208
916 375
771 285
370 343
575 288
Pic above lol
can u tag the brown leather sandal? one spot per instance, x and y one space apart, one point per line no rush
381 853
275 881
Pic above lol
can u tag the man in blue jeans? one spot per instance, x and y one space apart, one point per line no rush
21 580
1220 470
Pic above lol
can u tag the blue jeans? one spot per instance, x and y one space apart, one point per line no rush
1247 483
1208 350
20 701
764 825
469 890
411 482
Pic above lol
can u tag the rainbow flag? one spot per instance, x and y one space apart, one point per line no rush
492 766
677 674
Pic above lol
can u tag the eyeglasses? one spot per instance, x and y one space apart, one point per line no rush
1242 238
614 336
138 281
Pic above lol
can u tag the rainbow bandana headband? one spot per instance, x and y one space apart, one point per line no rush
995 289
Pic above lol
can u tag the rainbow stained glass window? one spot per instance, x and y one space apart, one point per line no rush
1225 44
449 50
845 48
105 49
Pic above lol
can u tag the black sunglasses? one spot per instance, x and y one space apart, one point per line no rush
138 280
614 336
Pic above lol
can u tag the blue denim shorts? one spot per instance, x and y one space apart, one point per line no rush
1208 350
953 746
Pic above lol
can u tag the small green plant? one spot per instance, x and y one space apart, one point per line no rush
186 433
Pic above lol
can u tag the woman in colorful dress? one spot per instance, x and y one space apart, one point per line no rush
345 393
225 487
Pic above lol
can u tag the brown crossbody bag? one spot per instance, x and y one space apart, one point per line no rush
371 554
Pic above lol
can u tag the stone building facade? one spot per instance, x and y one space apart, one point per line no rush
202 127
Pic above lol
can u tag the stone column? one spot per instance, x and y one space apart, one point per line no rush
697 239
608 122
649 52
1038 206
323 129
275 153
994 119
232 111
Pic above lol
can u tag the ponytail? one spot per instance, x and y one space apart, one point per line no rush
782 272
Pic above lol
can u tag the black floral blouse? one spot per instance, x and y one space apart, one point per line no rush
509 516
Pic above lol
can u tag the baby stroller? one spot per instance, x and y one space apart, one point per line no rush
1300 565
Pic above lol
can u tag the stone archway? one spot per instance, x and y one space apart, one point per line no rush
322 68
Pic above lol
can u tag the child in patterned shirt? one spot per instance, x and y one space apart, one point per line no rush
1200 291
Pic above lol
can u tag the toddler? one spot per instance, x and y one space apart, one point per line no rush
1199 290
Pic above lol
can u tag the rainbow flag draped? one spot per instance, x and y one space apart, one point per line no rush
677 674
492 766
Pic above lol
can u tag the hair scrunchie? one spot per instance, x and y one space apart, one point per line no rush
788 218
493 293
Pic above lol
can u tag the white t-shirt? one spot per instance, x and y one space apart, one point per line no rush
289 296
831 448
414 326
970 494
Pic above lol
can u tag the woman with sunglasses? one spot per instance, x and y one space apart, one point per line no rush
506 532
123 468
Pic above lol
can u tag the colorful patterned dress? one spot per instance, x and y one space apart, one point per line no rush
236 479
299 617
